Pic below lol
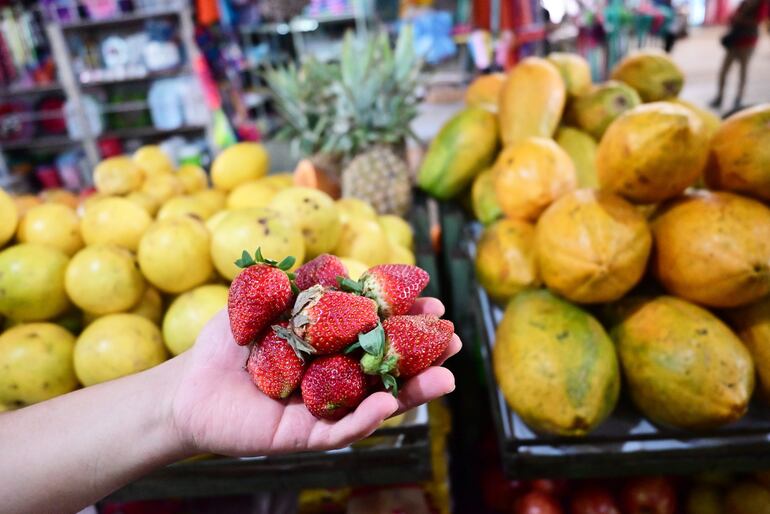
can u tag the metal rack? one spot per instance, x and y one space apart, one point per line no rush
626 443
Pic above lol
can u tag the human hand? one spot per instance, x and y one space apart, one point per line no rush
216 408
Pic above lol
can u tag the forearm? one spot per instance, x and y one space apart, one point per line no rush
63 454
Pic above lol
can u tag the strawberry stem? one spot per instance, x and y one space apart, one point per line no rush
371 364
391 384
350 285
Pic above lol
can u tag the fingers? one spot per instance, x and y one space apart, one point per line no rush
428 306
432 383
454 346
367 417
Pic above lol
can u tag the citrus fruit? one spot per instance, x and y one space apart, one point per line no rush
32 282
118 176
188 313
51 224
115 221
239 163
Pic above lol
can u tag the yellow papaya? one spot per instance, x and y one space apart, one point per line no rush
683 366
713 248
574 70
483 198
505 259
464 146
740 154
531 101
595 110
484 91
652 73
752 324
592 247
530 175
581 148
711 121
555 364
653 152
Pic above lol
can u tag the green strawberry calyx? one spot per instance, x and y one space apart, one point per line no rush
300 347
374 361
285 265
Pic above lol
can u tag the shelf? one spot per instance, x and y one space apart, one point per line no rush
298 24
150 76
626 443
126 19
149 132
38 143
30 90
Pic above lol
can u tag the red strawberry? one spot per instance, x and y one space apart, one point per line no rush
405 345
394 287
274 366
258 295
322 270
333 386
325 321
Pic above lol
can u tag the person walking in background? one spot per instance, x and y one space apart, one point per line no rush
739 43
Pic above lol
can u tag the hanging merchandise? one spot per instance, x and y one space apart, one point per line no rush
433 35
93 114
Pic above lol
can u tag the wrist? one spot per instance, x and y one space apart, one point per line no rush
174 440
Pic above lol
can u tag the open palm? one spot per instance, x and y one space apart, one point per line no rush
216 407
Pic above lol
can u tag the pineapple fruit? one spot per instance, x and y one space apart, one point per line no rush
353 115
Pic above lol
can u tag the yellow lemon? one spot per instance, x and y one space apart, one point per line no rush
174 254
213 222
146 201
32 282
115 221
61 196
401 255
153 160
354 208
150 306
36 360
188 314
397 229
118 176
213 199
315 213
255 193
184 206
9 217
363 239
25 203
162 187
51 224
103 279
89 201
355 268
239 163
115 346
193 178
247 229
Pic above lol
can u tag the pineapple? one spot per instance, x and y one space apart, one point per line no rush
381 178
354 115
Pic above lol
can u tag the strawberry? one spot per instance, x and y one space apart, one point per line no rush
325 321
258 295
274 366
322 270
403 346
333 386
394 287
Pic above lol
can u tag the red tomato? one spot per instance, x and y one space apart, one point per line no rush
537 502
648 495
556 487
498 491
593 500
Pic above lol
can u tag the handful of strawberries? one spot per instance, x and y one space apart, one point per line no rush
329 335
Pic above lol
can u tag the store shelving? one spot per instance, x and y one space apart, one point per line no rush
151 132
148 77
626 443
123 19
34 89
38 143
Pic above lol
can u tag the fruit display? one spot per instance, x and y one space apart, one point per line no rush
609 260
123 277
331 338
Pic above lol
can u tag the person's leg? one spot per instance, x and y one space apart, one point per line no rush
743 56
727 61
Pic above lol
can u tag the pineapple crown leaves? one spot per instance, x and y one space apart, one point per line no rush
246 260
345 107
374 361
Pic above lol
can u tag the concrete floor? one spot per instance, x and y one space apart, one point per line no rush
700 57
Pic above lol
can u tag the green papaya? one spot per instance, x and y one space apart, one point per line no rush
582 150
555 364
484 199
464 146
683 366
595 110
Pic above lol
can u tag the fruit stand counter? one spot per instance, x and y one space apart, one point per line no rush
626 443
391 455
